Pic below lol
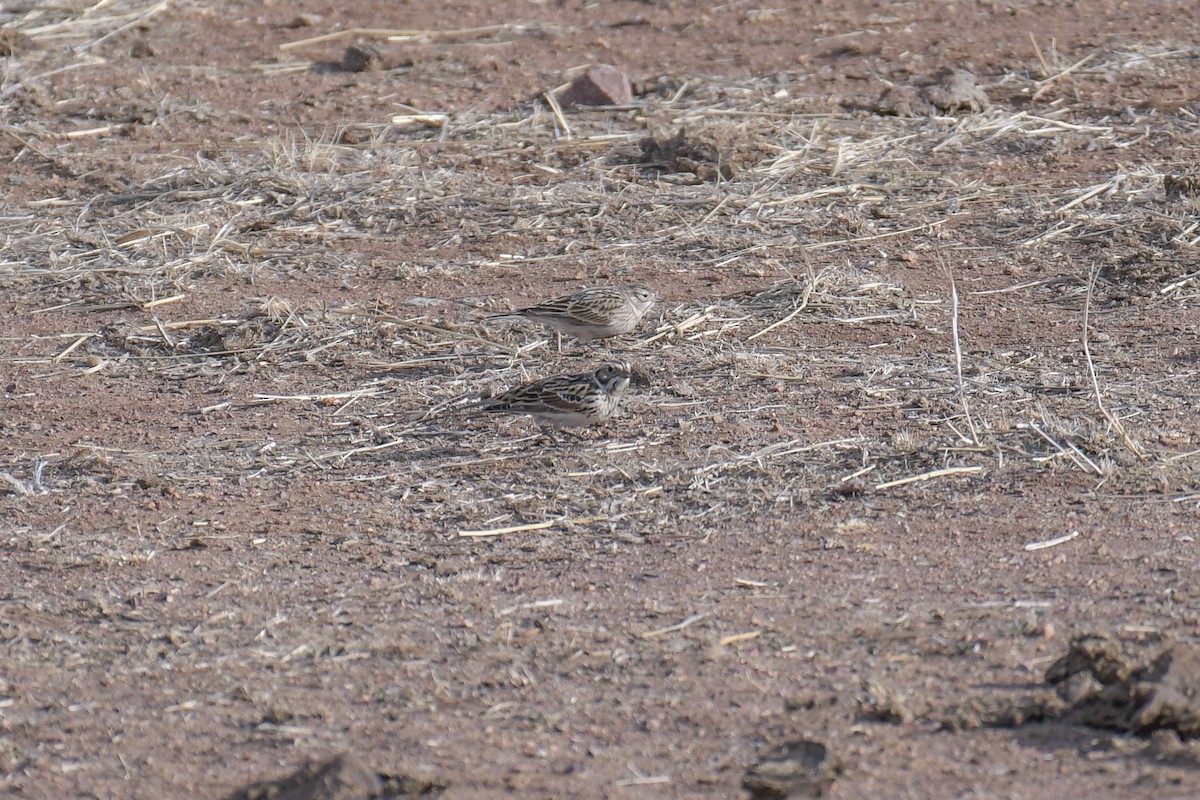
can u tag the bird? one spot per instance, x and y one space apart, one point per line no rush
564 401
589 314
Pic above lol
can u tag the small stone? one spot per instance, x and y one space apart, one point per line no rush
278 715
681 388
361 58
355 135
599 86
303 21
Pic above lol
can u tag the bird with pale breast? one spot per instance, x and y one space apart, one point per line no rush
564 401
590 314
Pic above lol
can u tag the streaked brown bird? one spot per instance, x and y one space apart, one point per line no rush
564 401
590 314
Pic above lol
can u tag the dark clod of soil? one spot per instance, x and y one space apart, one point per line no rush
599 86
141 49
1092 654
701 157
796 769
1166 747
903 100
361 58
1096 687
1003 712
343 777
1166 695
641 376
954 91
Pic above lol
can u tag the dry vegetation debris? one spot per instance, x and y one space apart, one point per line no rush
1095 685
823 202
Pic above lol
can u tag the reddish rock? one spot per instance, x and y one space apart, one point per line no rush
599 86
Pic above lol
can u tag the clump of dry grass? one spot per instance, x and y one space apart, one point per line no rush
84 27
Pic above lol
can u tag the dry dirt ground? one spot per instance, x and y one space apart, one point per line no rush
892 353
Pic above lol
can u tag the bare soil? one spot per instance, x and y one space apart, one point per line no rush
892 353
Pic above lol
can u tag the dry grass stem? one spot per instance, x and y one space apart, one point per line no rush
562 129
679 626
1087 353
725 641
958 361
1069 449
535 526
1052 542
927 476
812 285
408 36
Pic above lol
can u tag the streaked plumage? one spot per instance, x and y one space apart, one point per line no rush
566 400
592 313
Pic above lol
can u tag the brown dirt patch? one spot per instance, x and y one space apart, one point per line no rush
923 404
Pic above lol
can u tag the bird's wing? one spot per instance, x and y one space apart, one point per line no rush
548 395
571 391
590 312
553 308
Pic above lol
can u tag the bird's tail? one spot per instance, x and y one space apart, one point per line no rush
455 407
